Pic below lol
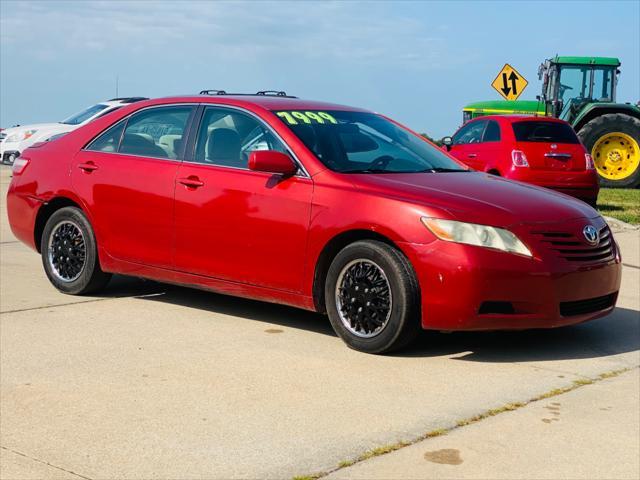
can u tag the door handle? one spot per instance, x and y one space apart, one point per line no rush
472 155
191 182
88 167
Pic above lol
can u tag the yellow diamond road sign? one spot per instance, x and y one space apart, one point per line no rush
509 83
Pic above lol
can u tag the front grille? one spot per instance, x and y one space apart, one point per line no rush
591 305
574 249
2 136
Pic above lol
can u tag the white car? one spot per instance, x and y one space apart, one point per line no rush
15 140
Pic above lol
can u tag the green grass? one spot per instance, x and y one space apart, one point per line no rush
620 203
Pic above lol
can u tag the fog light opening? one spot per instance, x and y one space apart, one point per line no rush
500 308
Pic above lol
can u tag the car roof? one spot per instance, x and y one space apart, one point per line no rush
519 118
122 101
268 102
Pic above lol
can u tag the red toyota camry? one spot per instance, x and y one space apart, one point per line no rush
543 151
321 206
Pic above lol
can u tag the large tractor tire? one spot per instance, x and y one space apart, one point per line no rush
614 142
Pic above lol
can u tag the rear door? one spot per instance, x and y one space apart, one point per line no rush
467 144
127 177
549 145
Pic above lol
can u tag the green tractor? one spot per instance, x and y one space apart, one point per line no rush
582 91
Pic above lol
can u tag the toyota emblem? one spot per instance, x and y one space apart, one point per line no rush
591 234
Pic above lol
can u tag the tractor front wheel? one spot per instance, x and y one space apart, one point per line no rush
613 140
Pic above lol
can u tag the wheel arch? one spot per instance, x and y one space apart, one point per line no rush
328 253
45 212
598 111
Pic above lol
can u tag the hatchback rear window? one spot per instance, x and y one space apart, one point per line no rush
547 132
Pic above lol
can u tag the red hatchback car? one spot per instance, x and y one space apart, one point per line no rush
321 206
538 150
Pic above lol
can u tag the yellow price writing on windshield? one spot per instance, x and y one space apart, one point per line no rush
296 118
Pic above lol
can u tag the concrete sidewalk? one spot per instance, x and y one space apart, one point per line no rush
592 432
152 381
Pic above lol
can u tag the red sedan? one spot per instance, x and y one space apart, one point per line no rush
320 206
541 151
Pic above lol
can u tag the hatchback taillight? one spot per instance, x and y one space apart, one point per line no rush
519 158
588 162
19 164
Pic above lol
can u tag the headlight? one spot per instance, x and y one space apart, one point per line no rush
18 137
473 234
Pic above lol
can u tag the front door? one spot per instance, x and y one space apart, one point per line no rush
233 223
467 142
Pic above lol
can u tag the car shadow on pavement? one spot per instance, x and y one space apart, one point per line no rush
243 308
614 334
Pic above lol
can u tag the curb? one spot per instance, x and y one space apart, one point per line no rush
618 225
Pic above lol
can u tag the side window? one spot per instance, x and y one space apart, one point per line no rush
156 132
109 140
492 132
472 133
227 137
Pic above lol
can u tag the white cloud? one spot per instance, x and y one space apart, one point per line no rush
361 33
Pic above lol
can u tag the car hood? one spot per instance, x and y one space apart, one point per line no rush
478 197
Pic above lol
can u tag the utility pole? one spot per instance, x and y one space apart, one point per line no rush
117 78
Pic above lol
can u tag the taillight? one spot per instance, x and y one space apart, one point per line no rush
588 162
519 158
19 164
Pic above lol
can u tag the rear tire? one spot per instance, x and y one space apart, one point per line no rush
608 124
69 253
372 297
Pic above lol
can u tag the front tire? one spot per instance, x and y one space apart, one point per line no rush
372 297
614 142
69 253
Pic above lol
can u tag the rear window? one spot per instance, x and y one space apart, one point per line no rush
547 132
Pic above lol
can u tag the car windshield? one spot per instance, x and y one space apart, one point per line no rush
84 115
361 142
550 132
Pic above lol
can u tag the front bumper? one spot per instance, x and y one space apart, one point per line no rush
466 288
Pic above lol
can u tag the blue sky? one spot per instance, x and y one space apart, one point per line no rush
418 62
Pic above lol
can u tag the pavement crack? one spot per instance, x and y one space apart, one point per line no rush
44 462
142 296
58 305
628 265
386 449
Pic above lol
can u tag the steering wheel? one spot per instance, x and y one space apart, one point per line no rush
380 162
563 88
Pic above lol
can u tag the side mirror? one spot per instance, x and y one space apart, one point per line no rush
447 142
271 161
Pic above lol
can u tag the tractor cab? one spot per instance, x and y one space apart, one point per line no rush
571 83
